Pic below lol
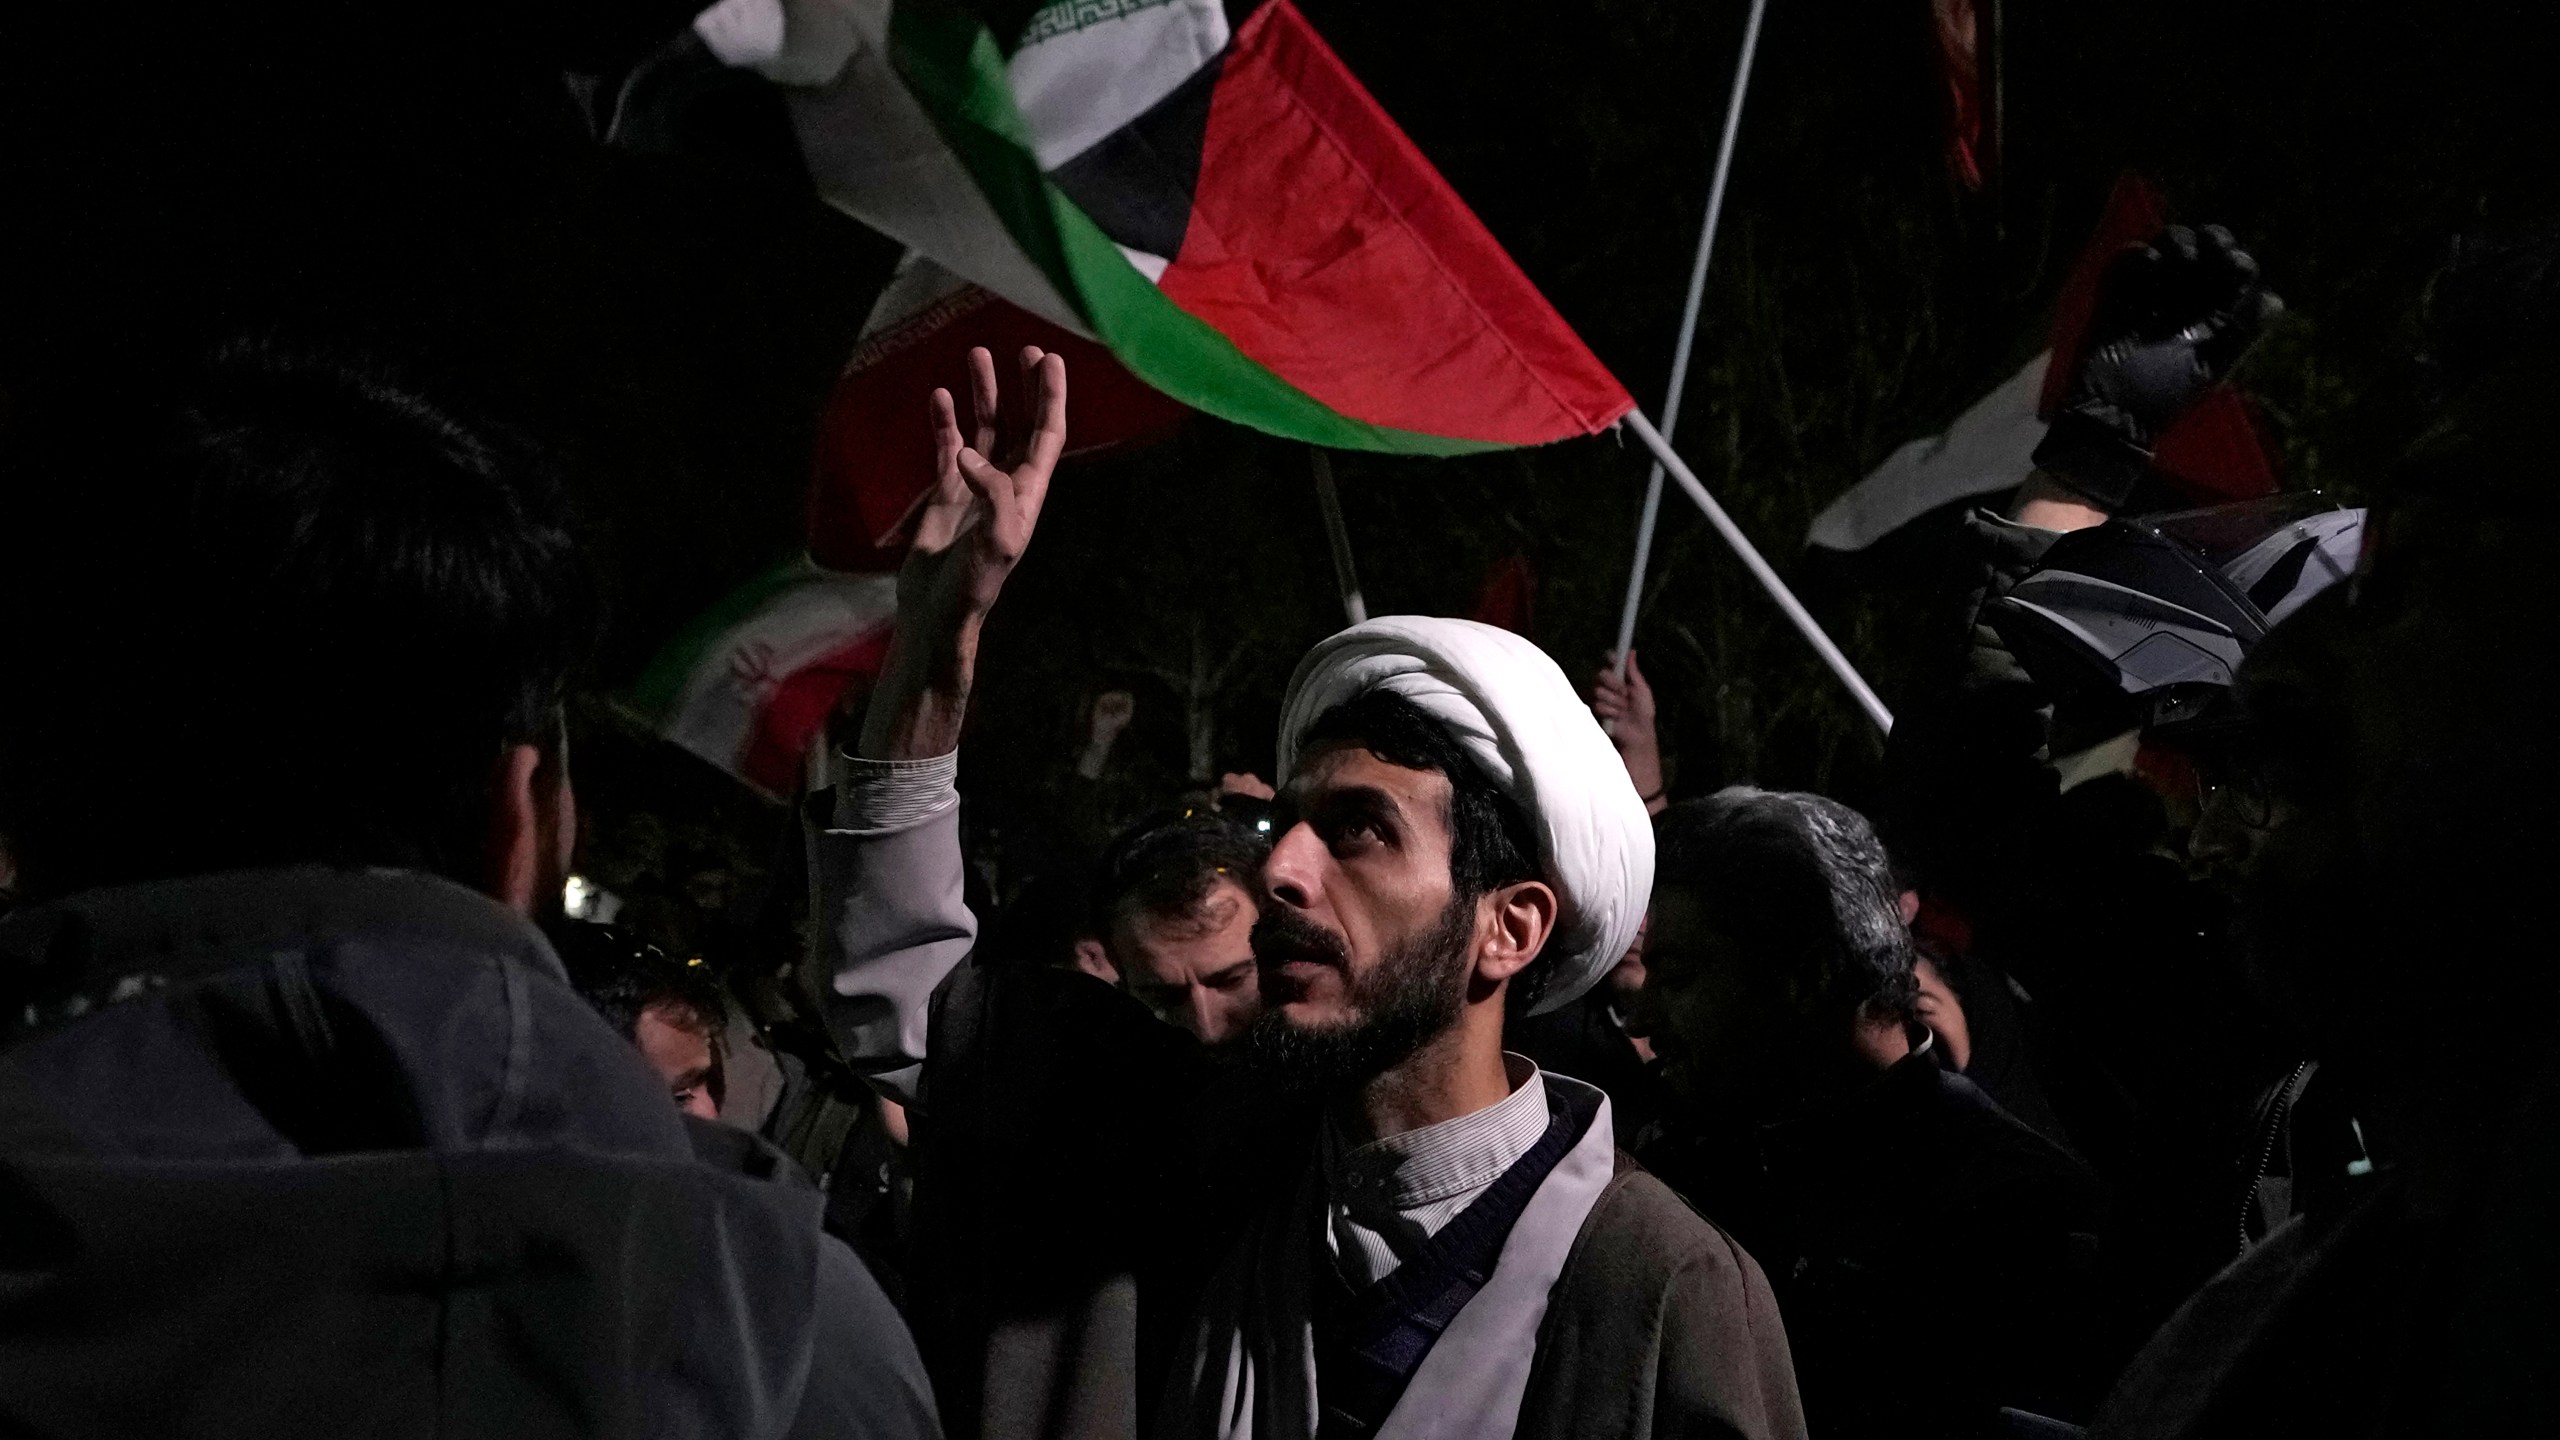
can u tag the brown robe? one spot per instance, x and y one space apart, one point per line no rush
1654 1323
1660 1325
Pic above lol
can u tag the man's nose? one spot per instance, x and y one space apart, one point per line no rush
1290 874
1208 1020
2218 840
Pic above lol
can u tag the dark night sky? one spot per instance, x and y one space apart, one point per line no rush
415 178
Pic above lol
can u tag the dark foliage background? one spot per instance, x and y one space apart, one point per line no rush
421 180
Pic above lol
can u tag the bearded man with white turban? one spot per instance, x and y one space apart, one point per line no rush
1468 1255
1423 1235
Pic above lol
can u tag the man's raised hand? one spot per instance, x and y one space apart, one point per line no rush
970 531
987 490
1624 704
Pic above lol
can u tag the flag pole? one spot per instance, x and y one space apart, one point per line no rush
1345 578
1688 327
1759 568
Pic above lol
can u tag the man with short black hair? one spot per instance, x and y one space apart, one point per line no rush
302 1130
672 1010
1935 1258
1175 907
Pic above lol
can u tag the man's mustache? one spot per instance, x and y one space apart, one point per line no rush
1283 935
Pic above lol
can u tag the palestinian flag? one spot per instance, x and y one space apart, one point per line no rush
748 686
1202 188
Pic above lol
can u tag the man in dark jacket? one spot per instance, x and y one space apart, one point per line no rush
1933 1257
2397 917
302 1129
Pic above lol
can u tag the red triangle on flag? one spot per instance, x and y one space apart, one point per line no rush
2133 215
2213 452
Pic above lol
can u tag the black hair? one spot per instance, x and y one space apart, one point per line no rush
298 601
1167 864
1491 843
1802 883
621 977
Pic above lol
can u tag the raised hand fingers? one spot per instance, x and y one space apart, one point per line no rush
1010 513
943 503
983 402
1048 438
989 483
946 435
1013 411
2225 254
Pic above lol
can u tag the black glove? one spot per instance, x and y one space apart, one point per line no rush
2172 318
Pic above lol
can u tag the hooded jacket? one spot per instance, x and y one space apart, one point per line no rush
320 1152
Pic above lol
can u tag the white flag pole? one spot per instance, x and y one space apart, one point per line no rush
1345 578
1689 326
1768 578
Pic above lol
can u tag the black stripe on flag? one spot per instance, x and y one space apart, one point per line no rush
1137 181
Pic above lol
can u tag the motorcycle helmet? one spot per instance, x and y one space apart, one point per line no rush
2155 614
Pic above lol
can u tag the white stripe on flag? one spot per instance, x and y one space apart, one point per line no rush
1990 448
1088 67
874 154
737 674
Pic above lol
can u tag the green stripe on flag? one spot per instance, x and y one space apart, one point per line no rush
952 66
663 683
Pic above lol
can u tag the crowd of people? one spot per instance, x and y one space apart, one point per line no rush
2162 1057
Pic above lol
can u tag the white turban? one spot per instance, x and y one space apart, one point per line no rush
1518 718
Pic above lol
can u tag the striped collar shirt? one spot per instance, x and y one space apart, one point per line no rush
1385 1198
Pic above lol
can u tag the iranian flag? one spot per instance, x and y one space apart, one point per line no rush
1203 190
748 686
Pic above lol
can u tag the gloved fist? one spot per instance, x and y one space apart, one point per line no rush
2172 319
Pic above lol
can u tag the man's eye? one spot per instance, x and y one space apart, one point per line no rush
1354 835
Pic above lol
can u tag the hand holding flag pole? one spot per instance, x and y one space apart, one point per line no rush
1659 443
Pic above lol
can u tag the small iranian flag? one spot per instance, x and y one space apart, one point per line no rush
1201 187
749 684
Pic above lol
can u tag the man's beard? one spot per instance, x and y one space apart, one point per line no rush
1413 995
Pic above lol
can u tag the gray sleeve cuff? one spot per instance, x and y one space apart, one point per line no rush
893 794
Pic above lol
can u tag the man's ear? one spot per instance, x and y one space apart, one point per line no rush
1513 925
1095 960
521 831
